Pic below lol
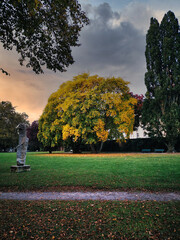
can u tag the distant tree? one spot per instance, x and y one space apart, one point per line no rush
32 132
89 109
41 31
161 111
137 109
49 134
9 119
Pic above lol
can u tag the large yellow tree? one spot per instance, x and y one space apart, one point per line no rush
88 109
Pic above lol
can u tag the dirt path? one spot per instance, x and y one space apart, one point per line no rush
100 195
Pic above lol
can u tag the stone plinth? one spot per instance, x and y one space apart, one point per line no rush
17 169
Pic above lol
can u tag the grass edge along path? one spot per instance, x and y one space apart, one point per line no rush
124 172
89 220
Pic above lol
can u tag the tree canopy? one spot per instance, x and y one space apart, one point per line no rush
161 111
9 119
88 109
32 132
137 109
41 31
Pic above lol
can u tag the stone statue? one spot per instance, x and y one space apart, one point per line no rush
23 144
21 150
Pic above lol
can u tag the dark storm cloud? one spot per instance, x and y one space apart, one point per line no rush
104 13
112 45
109 48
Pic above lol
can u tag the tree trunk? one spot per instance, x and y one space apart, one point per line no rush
93 148
170 147
101 146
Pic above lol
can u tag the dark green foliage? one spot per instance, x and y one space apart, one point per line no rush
137 109
42 32
134 145
161 111
3 71
137 144
9 119
32 131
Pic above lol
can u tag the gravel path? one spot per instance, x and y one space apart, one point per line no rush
90 196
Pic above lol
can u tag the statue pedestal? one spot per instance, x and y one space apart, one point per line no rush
17 169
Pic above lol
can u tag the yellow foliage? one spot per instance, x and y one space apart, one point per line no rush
69 131
101 133
91 108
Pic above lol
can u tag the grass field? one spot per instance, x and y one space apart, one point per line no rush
89 220
150 172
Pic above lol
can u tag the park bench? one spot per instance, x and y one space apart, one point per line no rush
146 150
158 150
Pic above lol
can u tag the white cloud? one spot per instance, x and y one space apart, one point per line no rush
138 14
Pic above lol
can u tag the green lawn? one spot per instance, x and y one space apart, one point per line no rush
89 220
152 172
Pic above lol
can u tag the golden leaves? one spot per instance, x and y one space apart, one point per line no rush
69 131
92 108
101 133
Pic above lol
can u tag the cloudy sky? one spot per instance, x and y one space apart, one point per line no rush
112 45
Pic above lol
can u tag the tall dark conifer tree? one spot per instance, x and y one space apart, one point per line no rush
161 108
